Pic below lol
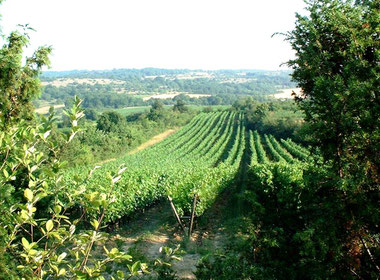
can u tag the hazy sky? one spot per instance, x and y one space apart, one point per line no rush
196 34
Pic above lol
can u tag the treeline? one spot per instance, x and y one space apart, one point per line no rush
94 96
283 119
105 97
125 74
117 74
255 83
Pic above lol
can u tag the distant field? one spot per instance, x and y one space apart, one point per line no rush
45 109
286 93
66 81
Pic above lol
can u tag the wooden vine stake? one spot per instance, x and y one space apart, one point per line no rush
176 214
193 214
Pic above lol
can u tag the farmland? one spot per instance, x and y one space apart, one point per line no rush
201 159
200 163
168 174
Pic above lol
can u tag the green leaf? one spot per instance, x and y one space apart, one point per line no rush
25 243
49 225
62 256
6 174
95 224
134 269
61 272
24 215
34 168
115 179
57 209
46 134
120 274
28 194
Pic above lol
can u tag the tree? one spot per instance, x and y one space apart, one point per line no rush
180 106
36 236
110 122
337 66
19 83
91 114
157 111
319 220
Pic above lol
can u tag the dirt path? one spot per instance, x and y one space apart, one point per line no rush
154 140
146 232
151 142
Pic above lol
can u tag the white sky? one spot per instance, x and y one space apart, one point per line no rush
194 34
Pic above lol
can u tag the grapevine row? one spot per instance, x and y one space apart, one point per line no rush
295 149
159 170
280 150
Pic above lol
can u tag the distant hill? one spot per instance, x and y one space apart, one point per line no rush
120 88
126 73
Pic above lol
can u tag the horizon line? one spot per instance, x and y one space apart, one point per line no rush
178 69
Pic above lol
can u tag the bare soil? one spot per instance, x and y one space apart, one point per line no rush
151 142
154 140
148 231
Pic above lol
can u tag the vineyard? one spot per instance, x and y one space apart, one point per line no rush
234 185
198 161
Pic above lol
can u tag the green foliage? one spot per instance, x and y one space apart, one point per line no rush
252 148
224 267
91 114
292 231
307 221
42 240
294 149
157 111
313 221
38 239
184 164
180 106
337 65
163 265
111 122
93 145
19 83
298 226
261 154
281 118
224 86
115 134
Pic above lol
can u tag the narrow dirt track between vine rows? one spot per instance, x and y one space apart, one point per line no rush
154 140
142 234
